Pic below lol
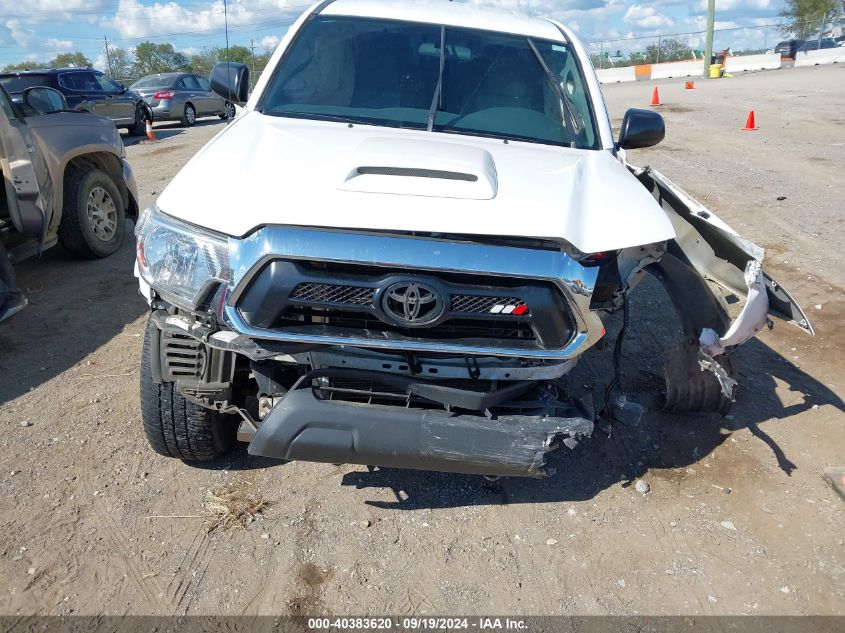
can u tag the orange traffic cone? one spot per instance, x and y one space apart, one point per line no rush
150 134
750 126
690 85
655 98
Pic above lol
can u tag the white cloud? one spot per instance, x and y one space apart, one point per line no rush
21 35
162 18
739 5
101 62
33 11
646 17
61 46
270 42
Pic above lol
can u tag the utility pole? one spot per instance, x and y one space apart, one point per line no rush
108 57
708 46
226 27
252 48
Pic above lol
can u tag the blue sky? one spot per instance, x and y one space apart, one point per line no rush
39 29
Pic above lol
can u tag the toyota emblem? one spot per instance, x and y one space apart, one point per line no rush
412 303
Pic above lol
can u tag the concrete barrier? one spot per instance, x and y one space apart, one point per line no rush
694 68
616 75
744 63
822 56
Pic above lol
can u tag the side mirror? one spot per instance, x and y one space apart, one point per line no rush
44 100
231 81
641 128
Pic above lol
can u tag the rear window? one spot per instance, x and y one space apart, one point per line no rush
21 83
155 81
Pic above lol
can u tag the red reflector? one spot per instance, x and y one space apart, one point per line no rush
595 258
520 309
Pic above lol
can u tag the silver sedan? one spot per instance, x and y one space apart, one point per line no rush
182 97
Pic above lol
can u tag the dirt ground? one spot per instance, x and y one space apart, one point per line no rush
737 521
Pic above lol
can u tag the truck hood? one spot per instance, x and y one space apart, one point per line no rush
271 170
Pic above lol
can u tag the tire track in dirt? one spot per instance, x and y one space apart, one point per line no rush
149 590
190 572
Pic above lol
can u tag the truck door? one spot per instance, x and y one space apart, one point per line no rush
29 188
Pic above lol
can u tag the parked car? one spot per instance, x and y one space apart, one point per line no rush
63 178
182 97
424 220
789 48
85 89
816 44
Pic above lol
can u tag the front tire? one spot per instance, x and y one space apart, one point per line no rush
189 117
175 426
93 218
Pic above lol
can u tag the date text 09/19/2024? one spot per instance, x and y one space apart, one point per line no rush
417 623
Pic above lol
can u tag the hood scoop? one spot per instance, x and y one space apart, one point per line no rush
420 168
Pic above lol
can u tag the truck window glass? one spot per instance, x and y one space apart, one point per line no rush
384 72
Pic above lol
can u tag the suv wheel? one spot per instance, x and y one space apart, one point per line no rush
93 218
228 111
175 426
139 128
190 115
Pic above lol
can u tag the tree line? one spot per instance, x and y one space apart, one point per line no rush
149 58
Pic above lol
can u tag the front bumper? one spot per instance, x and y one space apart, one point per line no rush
303 427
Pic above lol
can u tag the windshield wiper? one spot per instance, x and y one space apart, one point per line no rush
568 109
317 116
435 101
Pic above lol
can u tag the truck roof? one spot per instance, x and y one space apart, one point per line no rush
449 13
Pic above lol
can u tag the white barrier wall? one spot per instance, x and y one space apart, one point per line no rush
743 63
693 68
615 75
823 56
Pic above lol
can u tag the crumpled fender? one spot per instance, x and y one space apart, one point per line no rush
720 255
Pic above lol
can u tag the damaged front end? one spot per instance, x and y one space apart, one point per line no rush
704 267
436 352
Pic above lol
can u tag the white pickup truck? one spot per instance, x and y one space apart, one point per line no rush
410 232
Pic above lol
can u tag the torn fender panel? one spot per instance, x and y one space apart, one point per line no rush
721 255
752 318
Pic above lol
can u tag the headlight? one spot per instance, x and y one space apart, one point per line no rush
178 260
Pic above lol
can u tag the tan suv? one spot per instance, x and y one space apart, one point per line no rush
64 178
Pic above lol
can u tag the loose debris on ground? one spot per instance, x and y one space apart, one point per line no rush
232 505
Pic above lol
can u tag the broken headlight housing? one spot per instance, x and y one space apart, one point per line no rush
180 261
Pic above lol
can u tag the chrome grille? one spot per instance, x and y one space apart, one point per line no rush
332 293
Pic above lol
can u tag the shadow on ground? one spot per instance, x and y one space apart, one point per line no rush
659 441
75 307
169 129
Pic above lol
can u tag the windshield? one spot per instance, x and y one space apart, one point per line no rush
385 72
20 83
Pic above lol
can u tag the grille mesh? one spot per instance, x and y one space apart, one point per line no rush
331 293
476 304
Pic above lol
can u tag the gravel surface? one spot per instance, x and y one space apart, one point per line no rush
675 515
